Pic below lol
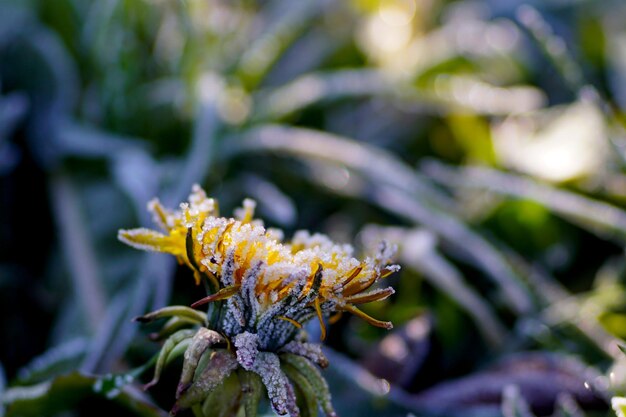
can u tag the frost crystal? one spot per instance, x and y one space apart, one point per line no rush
247 345
308 350
280 391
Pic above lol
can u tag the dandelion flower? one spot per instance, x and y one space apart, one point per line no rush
261 291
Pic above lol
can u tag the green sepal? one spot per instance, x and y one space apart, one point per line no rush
171 326
174 311
220 366
200 343
224 400
181 336
308 406
313 375
251 389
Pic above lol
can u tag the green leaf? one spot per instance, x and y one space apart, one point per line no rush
67 391
181 339
308 401
173 311
315 379
55 361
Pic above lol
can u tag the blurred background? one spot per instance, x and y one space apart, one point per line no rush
485 138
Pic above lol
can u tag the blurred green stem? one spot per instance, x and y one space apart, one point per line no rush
604 219
77 249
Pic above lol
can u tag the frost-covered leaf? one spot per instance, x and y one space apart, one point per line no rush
55 361
67 392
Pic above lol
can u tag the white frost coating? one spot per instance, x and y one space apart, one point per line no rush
199 201
312 352
247 345
210 224
248 293
393 268
318 240
267 366
228 269
169 218
187 220
292 407
275 234
236 307
246 213
127 236
386 252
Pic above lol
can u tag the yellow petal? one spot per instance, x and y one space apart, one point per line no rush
314 282
353 274
335 318
159 213
292 321
356 287
318 311
376 295
352 309
147 239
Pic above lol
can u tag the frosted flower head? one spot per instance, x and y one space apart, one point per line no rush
262 289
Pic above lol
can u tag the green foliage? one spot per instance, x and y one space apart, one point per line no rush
485 140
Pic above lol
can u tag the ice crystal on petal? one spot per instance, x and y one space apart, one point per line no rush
246 213
275 234
247 345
